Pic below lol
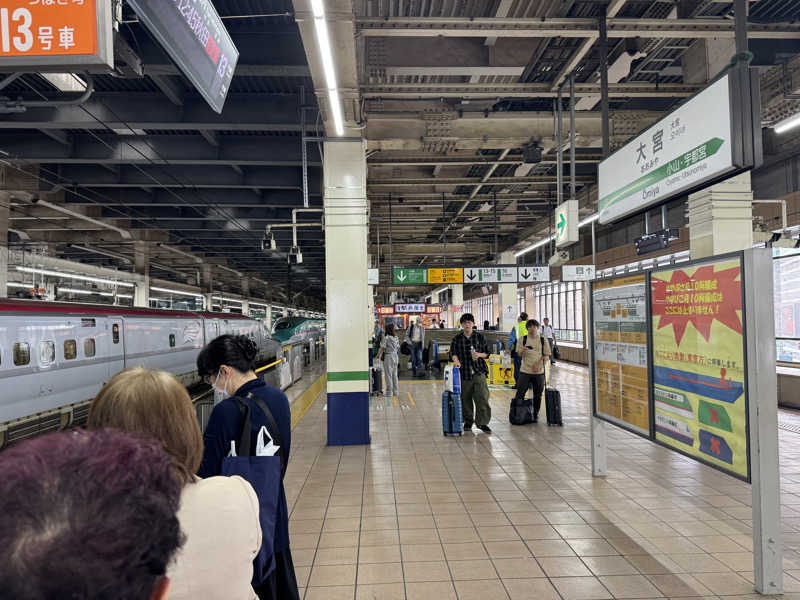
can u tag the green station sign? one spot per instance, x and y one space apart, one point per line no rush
410 276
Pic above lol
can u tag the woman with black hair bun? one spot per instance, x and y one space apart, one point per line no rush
227 364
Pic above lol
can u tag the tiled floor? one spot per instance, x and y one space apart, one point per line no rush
516 514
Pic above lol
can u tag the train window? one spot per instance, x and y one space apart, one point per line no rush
171 340
47 353
115 333
70 349
22 354
89 348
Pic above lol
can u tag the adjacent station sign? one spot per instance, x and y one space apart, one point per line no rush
578 273
699 377
566 219
619 318
195 38
690 146
476 274
56 35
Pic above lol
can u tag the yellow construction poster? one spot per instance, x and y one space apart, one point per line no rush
620 352
699 364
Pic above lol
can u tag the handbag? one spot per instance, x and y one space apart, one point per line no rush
555 351
265 474
405 348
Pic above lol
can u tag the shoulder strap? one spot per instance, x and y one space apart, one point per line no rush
243 448
542 338
524 340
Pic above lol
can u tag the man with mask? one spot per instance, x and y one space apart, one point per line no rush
415 336
468 351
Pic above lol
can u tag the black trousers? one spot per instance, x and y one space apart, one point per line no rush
527 380
282 583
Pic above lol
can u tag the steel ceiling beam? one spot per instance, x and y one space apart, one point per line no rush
524 90
147 111
156 149
565 27
177 198
443 181
186 176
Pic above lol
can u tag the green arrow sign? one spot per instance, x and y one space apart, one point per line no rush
410 276
561 226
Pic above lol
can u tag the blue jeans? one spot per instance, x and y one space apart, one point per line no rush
416 358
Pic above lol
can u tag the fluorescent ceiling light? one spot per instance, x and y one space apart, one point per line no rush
540 243
129 131
223 299
326 56
787 124
75 291
65 82
179 292
72 276
20 285
259 304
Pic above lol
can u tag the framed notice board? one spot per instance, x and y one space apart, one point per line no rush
619 316
699 357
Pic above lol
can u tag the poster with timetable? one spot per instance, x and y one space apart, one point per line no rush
619 310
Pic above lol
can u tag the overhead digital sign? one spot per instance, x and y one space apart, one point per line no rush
195 38
56 35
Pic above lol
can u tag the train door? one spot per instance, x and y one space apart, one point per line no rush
116 346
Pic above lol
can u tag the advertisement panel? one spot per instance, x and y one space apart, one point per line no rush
691 145
699 382
54 35
621 383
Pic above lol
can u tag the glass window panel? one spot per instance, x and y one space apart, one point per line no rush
70 349
89 348
570 310
115 333
22 354
47 353
787 296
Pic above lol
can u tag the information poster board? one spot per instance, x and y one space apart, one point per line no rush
619 316
699 383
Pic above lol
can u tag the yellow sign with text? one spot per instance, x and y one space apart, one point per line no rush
698 363
445 275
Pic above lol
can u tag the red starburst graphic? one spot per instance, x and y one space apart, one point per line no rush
700 298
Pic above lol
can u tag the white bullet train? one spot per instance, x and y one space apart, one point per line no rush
55 357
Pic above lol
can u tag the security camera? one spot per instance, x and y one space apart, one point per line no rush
559 258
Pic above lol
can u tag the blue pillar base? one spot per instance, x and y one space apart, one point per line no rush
348 418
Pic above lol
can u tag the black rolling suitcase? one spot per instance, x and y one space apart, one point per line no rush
376 381
552 404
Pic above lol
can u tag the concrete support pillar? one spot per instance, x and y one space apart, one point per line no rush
246 297
458 304
346 229
5 201
141 266
207 286
721 217
268 317
507 294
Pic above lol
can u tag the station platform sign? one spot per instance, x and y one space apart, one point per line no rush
471 274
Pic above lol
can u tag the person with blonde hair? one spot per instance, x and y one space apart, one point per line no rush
219 516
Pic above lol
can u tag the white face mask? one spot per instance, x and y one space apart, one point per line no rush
220 394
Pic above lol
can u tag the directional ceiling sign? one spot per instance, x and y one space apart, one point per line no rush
533 274
410 276
577 273
491 274
448 275
566 223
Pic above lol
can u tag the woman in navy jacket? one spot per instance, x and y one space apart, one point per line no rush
227 365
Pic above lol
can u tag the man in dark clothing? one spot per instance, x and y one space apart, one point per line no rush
468 351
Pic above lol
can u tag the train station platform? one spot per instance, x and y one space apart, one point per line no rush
516 514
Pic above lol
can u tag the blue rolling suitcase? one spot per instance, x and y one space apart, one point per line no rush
452 419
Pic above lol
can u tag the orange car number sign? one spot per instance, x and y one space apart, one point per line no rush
48 27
